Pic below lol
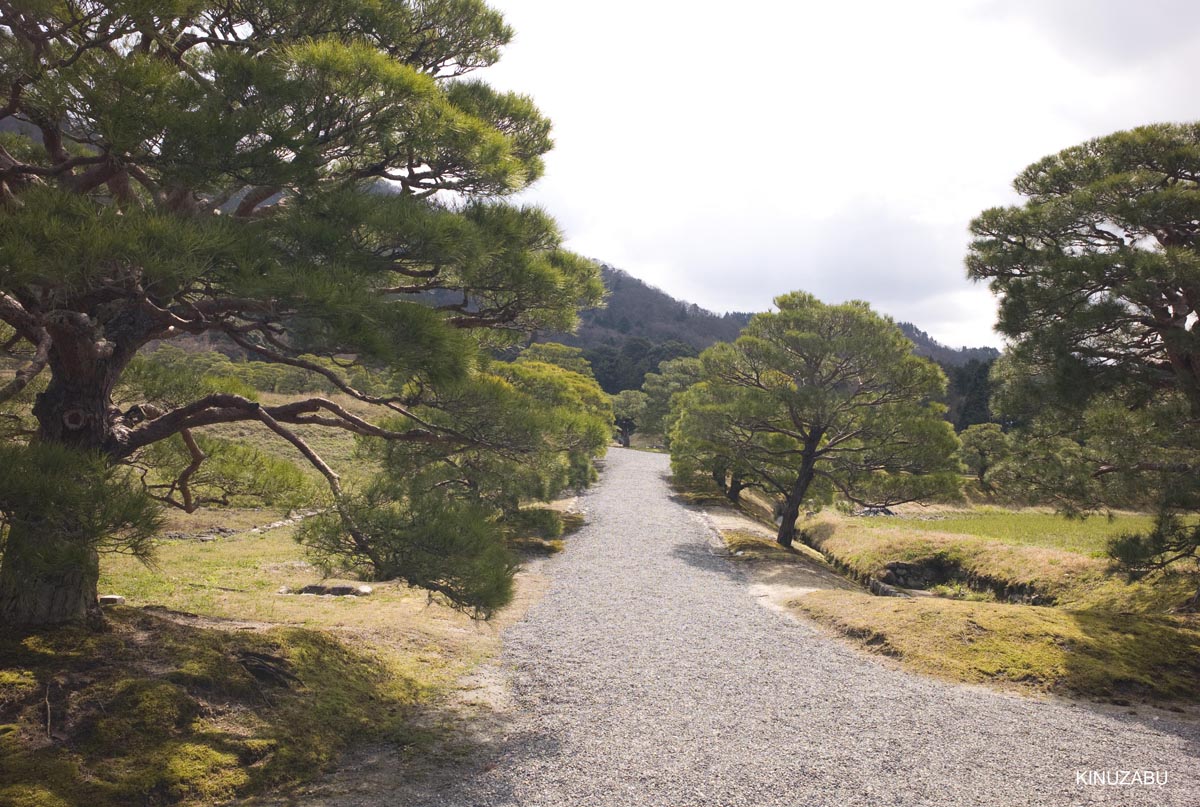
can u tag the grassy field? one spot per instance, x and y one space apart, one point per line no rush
1088 536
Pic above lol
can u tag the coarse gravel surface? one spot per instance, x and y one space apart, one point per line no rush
648 674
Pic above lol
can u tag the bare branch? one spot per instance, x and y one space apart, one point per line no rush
391 403
253 198
228 408
15 315
198 458
30 371
1142 467
335 483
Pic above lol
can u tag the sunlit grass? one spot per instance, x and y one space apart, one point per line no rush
158 709
1095 654
1087 536
866 546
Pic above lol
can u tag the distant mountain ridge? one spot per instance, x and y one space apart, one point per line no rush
930 348
638 311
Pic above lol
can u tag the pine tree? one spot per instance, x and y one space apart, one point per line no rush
629 408
672 378
1098 274
316 183
818 400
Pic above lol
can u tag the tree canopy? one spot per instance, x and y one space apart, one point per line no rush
661 387
1098 274
629 410
818 400
984 445
318 184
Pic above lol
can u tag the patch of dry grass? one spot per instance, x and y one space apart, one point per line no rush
1065 578
1095 654
748 546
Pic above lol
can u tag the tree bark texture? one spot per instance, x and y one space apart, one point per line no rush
46 578
47 575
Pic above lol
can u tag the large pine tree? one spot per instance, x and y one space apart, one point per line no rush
1098 274
318 183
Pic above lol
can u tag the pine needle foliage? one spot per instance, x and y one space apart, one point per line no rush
1098 275
319 186
441 517
815 401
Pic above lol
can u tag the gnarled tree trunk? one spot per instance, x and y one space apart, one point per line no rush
46 578
736 486
719 475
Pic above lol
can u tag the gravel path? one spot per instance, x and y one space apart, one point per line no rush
648 675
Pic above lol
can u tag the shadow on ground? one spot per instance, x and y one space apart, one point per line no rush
157 710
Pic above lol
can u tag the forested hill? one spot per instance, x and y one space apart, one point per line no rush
637 309
927 346
642 326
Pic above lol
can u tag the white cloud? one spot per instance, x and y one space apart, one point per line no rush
731 153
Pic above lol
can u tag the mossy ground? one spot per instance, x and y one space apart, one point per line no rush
1022 550
749 546
1091 654
157 710
1106 638
160 709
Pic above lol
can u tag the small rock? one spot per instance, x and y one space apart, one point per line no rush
112 599
204 539
336 591
882 589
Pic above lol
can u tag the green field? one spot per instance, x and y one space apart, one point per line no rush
1085 536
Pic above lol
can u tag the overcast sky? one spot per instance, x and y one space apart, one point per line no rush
729 152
